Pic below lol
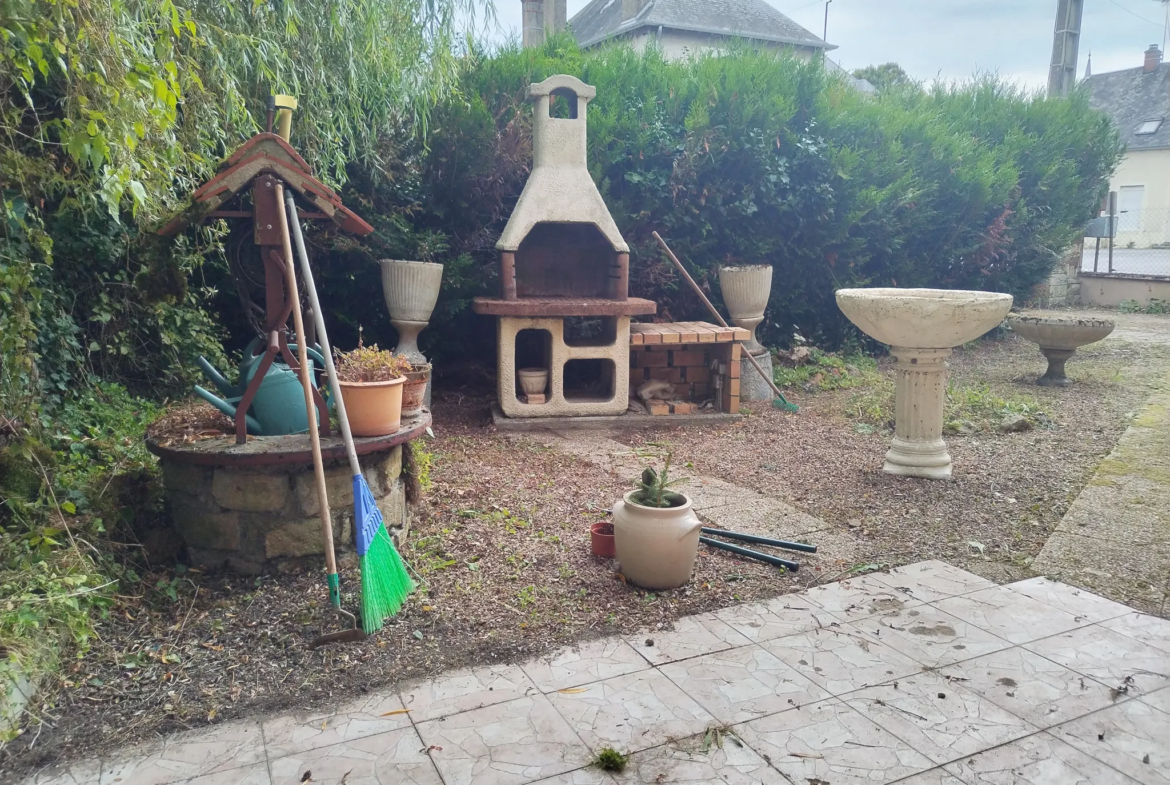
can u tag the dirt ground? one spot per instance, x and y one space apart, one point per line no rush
501 549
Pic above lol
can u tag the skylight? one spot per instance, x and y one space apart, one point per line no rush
1149 127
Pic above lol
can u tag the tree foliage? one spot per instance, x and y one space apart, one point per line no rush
885 77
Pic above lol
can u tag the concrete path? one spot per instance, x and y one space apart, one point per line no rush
1115 538
926 675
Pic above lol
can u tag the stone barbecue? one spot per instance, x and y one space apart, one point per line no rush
564 304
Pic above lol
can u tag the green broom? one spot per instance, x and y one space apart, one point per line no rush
385 581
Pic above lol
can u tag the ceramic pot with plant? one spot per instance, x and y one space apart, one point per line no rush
371 382
415 388
656 532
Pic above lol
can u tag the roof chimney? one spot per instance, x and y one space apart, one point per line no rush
631 8
1153 58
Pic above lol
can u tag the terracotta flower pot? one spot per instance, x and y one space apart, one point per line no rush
414 390
601 536
532 380
373 408
656 546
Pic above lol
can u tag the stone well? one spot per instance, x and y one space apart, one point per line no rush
253 507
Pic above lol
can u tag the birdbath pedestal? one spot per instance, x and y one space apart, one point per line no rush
921 326
1059 337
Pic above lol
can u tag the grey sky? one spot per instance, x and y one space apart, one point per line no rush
954 38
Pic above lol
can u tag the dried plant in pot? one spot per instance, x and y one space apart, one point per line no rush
656 531
371 382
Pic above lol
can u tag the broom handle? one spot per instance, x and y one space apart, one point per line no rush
322 336
714 312
307 383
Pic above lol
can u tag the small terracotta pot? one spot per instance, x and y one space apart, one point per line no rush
373 408
414 391
601 534
532 380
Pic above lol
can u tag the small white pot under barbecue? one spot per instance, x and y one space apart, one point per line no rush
656 546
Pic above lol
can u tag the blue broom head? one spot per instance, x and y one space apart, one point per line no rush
366 515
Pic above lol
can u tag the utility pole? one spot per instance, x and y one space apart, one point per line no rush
1062 71
825 35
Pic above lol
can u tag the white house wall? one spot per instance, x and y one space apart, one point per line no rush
681 44
1151 170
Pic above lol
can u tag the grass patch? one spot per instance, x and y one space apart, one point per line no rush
609 759
826 371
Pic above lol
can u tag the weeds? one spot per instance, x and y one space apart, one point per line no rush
609 759
827 371
1155 306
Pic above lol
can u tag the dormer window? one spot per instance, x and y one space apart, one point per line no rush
1149 127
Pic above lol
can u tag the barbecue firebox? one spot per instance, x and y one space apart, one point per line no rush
564 303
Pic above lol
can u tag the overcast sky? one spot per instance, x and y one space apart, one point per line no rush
954 38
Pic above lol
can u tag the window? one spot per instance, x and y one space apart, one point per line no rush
1149 127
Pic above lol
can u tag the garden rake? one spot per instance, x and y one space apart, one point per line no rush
385 581
779 402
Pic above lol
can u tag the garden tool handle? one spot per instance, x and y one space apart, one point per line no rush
713 311
310 408
322 335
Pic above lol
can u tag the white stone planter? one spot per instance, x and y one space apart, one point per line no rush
1059 337
656 546
411 290
921 326
746 291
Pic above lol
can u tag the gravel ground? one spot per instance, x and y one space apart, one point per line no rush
501 545
1009 489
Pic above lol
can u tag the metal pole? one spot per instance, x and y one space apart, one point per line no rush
1112 225
825 35
1096 254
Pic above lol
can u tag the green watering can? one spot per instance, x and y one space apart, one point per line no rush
279 406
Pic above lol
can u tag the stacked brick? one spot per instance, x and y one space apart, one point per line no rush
699 360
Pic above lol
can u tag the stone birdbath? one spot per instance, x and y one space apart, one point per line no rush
1059 337
921 326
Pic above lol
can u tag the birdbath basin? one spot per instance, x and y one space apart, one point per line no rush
921 326
1059 337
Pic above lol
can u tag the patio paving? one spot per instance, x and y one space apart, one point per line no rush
926 675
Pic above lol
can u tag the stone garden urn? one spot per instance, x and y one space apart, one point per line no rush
1058 337
921 326
745 291
411 290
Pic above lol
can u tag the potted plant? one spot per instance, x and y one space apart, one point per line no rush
415 388
656 532
371 382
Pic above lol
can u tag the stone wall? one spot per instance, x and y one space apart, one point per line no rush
268 517
1063 286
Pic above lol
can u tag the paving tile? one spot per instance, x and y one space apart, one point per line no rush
937 717
1150 630
371 715
1035 760
932 637
939 776
1159 699
520 741
87 772
1132 737
700 760
787 615
464 690
188 755
692 636
1030 686
841 660
860 598
742 684
588 662
256 774
828 742
586 776
397 757
631 712
1109 657
932 580
1079 602
1010 615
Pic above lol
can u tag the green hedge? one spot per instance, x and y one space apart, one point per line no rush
741 159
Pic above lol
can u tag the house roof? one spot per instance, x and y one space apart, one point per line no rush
1131 97
753 19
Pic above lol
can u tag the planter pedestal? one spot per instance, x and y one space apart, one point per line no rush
1055 376
918 449
752 386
